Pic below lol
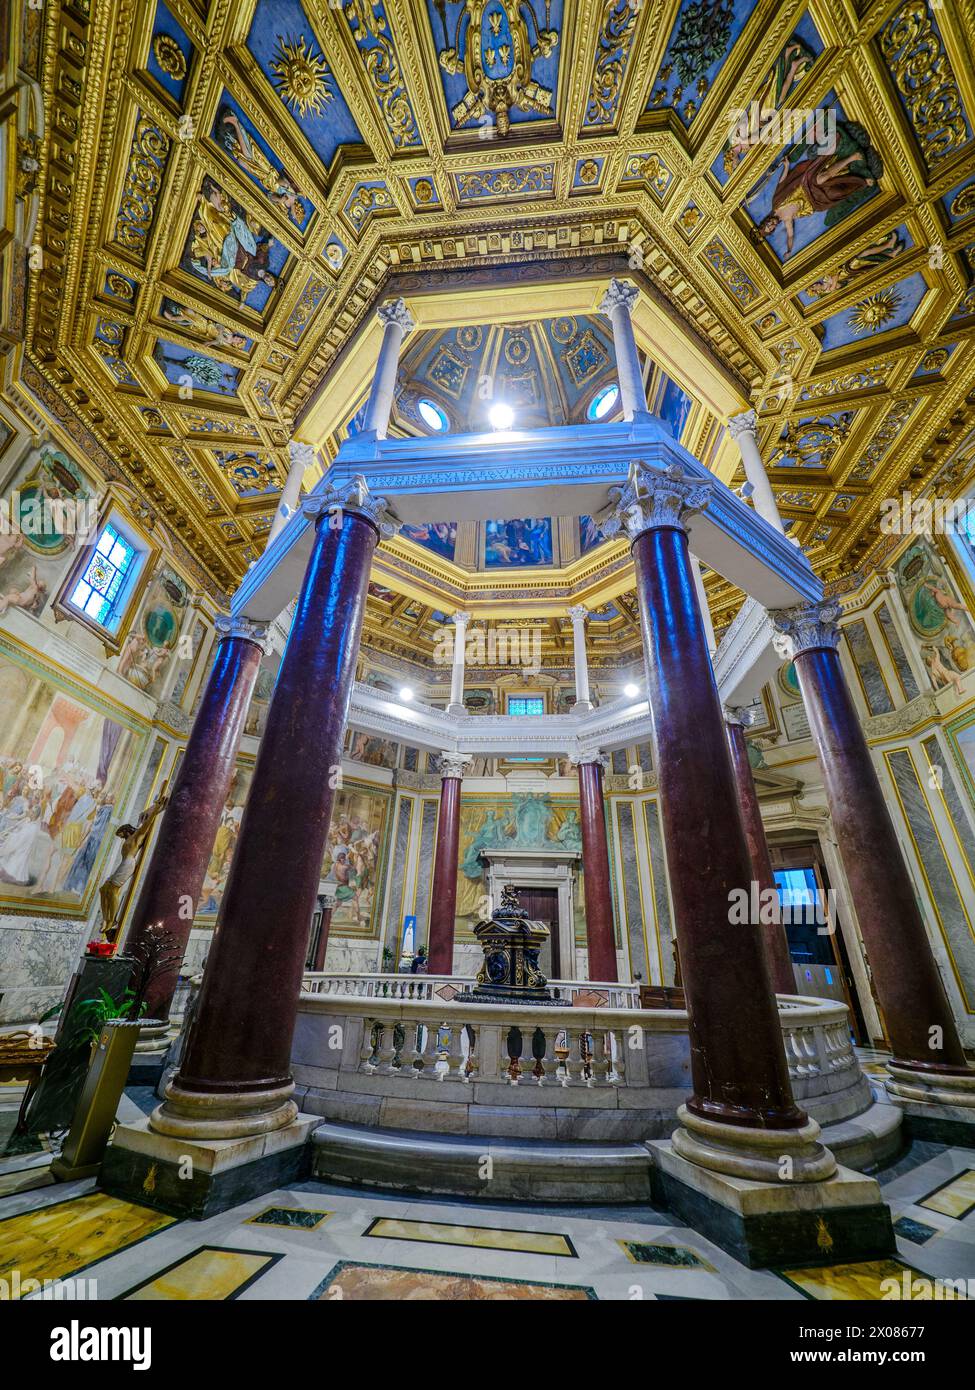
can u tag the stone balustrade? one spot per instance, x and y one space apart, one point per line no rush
421 1062
373 986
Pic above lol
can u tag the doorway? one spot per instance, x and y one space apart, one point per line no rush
542 905
819 955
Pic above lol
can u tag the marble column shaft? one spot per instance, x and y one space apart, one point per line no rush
618 303
773 933
173 879
321 947
600 930
909 985
241 1041
458 664
743 431
397 321
578 616
738 1063
443 891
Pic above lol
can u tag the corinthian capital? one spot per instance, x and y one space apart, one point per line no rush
461 619
652 498
743 715
353 496
395 311
582 759
300 454
621 294
741 424
579 613
245 629
806 627
454 764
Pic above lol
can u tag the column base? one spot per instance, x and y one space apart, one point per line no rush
201 1177
761 1155
150 1054
456 709
212 1115
775 1224
583 707
939 1106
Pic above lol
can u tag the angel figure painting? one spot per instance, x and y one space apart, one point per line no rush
230 249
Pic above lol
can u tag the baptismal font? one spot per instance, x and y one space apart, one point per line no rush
511 944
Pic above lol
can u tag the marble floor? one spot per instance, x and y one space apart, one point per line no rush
318 1241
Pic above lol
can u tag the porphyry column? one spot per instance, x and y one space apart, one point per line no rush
173 878
773 932
234 1078
738 1066
578 615
922 1032
443 892
600 931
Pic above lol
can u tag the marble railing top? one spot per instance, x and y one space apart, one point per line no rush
795 1011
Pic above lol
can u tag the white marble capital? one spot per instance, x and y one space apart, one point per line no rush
461 619
394 311
585 759
454 764
742 715
579 613
246 629
651 499
620 294
740 424
805 628
353 496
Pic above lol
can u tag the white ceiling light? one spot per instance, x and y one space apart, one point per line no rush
630 690
501 415
406 693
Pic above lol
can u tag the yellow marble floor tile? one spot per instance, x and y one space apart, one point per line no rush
207 1275
870 1280
956 1198
476 1237
55 1241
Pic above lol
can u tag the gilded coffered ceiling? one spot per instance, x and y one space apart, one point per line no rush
228 191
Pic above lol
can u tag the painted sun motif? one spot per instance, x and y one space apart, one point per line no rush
302 76
871 314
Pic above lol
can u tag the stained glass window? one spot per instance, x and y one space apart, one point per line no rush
526 704
102 589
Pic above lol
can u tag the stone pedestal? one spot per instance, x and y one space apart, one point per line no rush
764 1223
173 878
202 1177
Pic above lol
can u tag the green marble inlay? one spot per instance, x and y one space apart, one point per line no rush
298 1217
676 1256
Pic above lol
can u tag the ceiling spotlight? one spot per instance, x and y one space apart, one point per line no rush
630 690
406 693
501 415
